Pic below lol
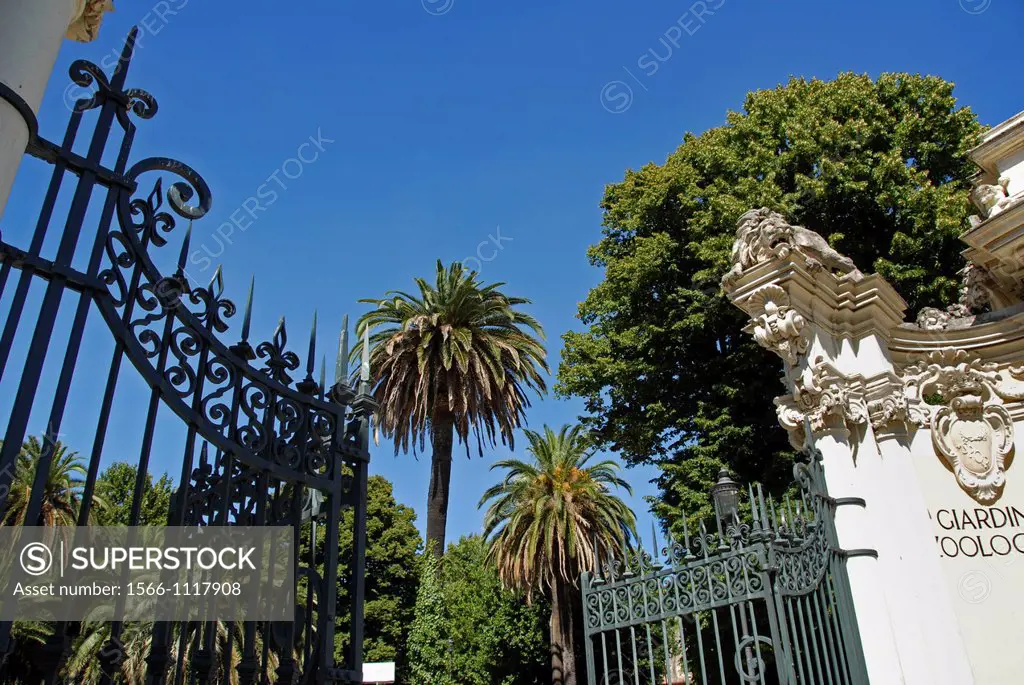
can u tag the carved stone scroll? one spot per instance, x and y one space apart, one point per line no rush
777 326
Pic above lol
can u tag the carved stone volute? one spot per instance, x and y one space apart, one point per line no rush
776 326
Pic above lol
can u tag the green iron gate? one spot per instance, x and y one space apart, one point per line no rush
761 600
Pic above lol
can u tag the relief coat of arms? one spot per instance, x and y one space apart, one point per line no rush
971 431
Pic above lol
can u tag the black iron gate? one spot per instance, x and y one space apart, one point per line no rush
258 449
764 602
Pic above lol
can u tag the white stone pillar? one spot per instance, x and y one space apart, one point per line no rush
922 611
31 32
857 528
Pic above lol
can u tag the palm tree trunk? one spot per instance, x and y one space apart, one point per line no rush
564 660
440 482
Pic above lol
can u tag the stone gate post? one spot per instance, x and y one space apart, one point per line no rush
833 326
31 32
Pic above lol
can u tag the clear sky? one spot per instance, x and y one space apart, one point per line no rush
439 121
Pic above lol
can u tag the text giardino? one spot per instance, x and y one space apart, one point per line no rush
967 521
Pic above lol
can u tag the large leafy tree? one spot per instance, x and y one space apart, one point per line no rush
116 486
470 630
549 520
878 167
455 359
392 575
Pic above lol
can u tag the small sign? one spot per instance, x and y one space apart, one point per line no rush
379 673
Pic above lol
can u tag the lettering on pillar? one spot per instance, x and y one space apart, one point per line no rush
980 532
971 431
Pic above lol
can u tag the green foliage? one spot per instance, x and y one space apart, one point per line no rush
551 519
469 630
429 647
879 168
115 487
392 575
62 488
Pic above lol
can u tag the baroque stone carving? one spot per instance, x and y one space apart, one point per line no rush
952 317
971 432
823 399
777 326
895 408
978 288
992 200
763 235
86 25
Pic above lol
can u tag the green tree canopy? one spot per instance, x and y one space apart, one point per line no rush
469 630
878 167
116 485
392 575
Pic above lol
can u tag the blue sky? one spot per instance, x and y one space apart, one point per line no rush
438 121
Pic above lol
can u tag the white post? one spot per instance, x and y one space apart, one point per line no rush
31 32
857 529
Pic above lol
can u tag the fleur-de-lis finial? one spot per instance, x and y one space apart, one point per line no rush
279 361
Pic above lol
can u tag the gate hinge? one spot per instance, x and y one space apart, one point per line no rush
850 553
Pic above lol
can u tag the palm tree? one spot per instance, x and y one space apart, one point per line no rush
456 358
61 492
549 521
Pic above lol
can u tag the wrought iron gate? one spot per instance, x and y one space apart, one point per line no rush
764 602
258 449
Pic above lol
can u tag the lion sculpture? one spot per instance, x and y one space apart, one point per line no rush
763 235
993 200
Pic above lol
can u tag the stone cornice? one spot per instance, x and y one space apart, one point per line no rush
86 24
999 143
851 305
998 234
998 339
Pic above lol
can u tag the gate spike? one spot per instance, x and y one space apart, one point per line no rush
323 376
654 539
311 357
753 505
761 505
341 366
364 369
184 248
247 317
